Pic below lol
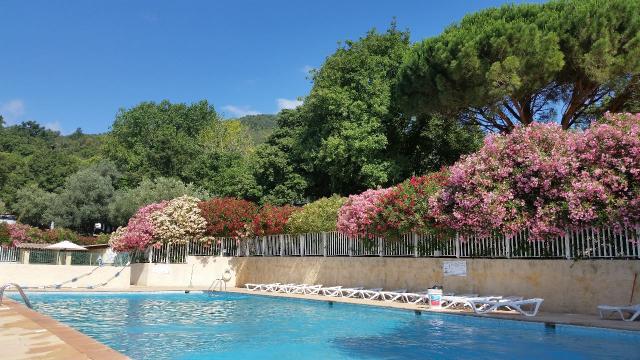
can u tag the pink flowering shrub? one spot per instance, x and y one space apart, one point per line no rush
546 180
355 216
19 233
139 232
607 187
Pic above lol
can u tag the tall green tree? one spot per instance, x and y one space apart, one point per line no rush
31 205
517 64
85 197
277 164
158 139
347 118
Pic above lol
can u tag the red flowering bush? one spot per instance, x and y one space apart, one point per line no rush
272 219
227 217
405 208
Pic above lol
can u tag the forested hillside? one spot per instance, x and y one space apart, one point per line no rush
260 127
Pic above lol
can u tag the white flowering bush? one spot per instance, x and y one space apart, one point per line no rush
179 221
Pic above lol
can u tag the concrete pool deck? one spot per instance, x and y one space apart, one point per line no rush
27 334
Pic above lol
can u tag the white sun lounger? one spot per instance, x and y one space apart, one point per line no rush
285 288
331 291
483 306
632 310
253 287
312 289
370 294
388 295
351 292
360 292
296 288
270 287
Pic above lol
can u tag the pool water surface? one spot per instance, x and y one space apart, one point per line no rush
239 326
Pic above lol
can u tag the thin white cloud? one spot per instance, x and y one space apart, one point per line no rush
239 111
307 68
53 126
12 111
288 103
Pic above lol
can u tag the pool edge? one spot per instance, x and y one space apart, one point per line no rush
83 344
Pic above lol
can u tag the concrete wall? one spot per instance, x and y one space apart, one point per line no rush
199 271
566 286
38 275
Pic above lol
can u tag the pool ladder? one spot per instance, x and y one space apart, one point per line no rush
19 288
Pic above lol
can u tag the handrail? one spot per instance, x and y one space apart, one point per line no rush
24 296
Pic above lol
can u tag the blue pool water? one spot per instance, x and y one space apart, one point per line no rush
236 326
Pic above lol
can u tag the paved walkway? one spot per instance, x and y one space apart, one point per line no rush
27 334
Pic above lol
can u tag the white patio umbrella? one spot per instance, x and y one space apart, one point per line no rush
65 245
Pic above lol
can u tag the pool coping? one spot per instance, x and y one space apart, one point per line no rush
85 346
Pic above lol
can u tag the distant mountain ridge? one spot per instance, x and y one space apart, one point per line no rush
259 126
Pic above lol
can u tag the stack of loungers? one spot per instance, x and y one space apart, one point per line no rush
478 304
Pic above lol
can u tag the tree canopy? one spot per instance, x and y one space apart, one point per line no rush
568 61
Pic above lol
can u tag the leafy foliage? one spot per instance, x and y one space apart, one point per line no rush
318 216
405 208
227 217
356 216
272 219
85 197
179 221
515 64
31 205
126 202
140 231
546 180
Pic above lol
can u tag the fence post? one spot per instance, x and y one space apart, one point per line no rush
507 246
380 247
324 244
301 237
457 245
151 254
415 244
350 245
281 237
567 247
637 228
264 245
166 256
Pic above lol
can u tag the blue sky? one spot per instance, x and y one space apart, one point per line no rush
72 63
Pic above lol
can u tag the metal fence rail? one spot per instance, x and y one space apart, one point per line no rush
587 243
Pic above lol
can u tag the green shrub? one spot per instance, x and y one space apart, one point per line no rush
318 216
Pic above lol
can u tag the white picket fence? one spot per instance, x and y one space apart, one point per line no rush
587 243
9 254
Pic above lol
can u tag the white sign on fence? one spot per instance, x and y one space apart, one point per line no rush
454 268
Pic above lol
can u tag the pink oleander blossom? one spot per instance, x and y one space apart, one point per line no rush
546 180
19 233
355 216
139 232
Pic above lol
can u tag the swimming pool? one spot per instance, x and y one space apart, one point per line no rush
238 326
